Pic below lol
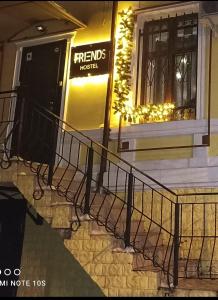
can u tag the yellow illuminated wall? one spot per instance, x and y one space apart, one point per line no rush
164 142
213 149
214 76
170 141
85 104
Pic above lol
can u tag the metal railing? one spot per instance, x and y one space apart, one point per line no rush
7 125
142 213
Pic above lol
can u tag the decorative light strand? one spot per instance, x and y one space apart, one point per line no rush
153 113
124 45
122 84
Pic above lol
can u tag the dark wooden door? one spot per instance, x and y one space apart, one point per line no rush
41 79
12 226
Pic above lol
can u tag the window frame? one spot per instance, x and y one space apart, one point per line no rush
156 13
168 55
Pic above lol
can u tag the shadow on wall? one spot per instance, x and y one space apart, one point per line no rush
45 260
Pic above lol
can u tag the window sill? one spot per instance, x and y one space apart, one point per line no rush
171 128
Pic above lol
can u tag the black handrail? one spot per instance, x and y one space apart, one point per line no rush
118 206
138 214
108 151
98 144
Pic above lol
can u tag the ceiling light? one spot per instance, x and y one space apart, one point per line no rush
40 28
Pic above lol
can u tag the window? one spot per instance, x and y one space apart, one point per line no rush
169 63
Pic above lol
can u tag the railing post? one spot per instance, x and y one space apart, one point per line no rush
21 98
129 210
53 152
88 181
176 245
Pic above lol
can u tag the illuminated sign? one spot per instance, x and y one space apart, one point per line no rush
90 60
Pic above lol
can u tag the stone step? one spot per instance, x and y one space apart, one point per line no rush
67 184
63 185
198 284
109 215
192 269
26 169
97 230
59 173
193 293
119 229
64 172
191 279
105 208
160 254
71 195
188 268
144 240
106 200
136 229
151 244
140 263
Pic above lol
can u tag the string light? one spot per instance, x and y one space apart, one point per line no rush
122 85
154 113
123 54
178 75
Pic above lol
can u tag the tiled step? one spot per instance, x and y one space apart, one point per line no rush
105 208
120 229
159 250
26 169
140 263
109 215
62 186
107 200
98 230
136 229
61 213
189 269
152 245
74 190
190 279
66 183
66 173
198 284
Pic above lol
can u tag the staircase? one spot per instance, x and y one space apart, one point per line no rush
133 235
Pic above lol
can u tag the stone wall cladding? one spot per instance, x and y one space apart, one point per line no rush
112 271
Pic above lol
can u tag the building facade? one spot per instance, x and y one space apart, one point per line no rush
127 103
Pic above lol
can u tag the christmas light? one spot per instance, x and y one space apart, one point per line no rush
124 45
122 85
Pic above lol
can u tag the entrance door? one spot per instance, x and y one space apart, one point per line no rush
12 225
41 78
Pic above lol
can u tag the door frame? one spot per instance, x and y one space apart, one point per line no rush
65 87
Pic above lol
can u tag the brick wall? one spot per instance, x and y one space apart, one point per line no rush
44 257
112 271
